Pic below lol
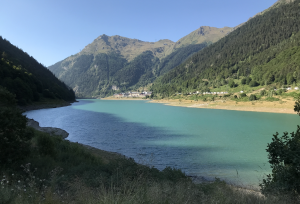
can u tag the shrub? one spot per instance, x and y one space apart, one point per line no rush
284 158
45 145
243 81
253 83
263 92
271 99
280 91
231 83
243 95
14 136
252 97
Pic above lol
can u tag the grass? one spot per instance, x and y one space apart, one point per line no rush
58 171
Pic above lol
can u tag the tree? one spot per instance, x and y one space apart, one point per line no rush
284 158
252 97
14 136
231 83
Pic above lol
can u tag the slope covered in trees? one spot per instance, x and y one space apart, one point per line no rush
265 48
29 80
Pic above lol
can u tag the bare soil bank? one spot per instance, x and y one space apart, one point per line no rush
284 106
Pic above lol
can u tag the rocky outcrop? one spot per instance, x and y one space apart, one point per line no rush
50 130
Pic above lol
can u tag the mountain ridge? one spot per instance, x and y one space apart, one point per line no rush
114 54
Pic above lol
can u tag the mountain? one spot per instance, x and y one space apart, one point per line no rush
265 49
203 34
29 80
128 63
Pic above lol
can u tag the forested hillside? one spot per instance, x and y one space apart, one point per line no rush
127 63
29 80
265 49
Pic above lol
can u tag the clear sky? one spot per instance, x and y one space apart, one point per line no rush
52 30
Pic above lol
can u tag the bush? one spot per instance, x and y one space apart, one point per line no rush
243 81
252 97
284 158
253 84
280 91
243 95
14 135
231 83
263 92
45 145
271 99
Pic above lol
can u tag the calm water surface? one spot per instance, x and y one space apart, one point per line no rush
203 142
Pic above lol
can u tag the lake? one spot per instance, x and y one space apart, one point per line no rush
202 142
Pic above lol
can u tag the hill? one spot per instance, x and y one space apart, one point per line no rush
265 50
128 63
28 79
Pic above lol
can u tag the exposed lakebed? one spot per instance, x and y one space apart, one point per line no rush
202 142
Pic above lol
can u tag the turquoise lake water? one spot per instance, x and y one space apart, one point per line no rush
202 142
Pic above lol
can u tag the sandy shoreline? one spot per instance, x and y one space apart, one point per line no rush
123 99
285 106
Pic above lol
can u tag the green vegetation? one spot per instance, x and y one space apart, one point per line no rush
265 48
30 81
15 137
284 157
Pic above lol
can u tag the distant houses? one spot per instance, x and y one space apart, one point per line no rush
133 94
206 93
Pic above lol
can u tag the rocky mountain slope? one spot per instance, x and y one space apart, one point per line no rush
128 63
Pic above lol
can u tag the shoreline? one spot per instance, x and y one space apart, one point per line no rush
287 106
122 99
46 105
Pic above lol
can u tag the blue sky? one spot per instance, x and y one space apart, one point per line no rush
52 30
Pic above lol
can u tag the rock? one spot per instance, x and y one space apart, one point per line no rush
51 130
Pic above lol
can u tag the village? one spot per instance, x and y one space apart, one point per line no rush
133 94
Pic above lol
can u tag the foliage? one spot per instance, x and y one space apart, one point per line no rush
252 97
177 57
28 79
284 158
242 95
263 92
14 136
271 99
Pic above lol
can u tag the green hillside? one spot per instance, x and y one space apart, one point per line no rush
265 49
29 80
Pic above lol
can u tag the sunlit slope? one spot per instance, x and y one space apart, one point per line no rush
265 48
